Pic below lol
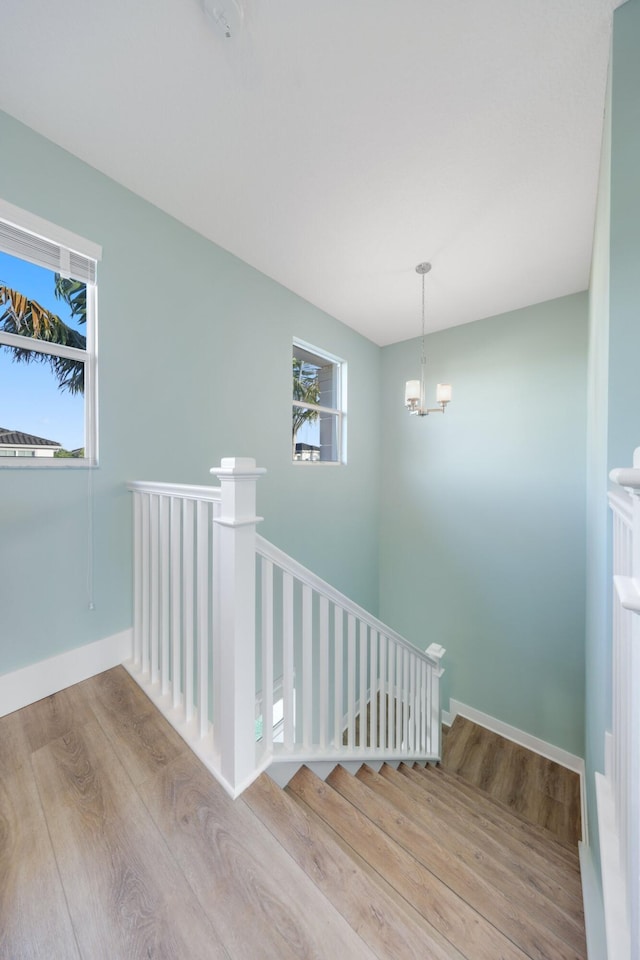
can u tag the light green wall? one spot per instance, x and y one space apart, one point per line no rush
195 364
482 526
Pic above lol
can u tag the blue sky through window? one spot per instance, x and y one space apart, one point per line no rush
30 399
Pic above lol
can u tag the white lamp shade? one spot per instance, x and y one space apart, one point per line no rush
443 393
412 391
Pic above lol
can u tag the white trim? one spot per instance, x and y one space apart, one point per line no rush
24 220
613 884
29 684
524 739
594 921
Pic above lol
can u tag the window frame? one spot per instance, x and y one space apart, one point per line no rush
72 248
340 411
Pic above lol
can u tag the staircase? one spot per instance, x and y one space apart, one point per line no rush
422 864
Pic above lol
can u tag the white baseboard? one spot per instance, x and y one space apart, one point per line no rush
524 739
22 687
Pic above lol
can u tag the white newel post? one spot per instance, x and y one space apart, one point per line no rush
435 733
234 680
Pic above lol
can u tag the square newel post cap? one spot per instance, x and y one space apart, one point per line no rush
238 476
241 468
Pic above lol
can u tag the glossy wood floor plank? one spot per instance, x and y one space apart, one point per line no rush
14 746
130 720
34 921
389 930
126 895
259 900
56 716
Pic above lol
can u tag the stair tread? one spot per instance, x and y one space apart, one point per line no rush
463 926
496 869
527 858
389 931
540 789
568 851
537 942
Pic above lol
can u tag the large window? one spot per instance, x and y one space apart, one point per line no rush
47 343
318 425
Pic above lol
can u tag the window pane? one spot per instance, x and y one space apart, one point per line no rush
315 435
305 379
29 306
32 403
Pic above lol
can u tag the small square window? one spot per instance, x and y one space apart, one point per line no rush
318 417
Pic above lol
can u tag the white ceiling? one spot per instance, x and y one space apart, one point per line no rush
334 144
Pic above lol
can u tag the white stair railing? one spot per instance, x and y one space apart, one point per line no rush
253 658
349 686
618 791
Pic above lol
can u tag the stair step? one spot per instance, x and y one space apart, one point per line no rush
388 928
463 927
538 788
514 920
495 868
527 860
495 809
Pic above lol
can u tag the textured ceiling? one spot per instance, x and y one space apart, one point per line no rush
334 144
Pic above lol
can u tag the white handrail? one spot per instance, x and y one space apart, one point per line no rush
626 477
270 552
183 490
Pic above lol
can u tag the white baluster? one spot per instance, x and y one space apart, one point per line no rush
287 660
362 679
391 700
202 616
187 606
399 698
351 681
164 594
154 594
175 574
383 691
413 729
373 690
137 578
423 708
307 666
267 654
338 704
406 701
324 672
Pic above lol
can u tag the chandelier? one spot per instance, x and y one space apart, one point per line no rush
414 389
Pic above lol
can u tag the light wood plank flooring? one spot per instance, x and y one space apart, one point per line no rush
538 789
116 843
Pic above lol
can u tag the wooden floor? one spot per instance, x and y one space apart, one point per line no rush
116 843
536 788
